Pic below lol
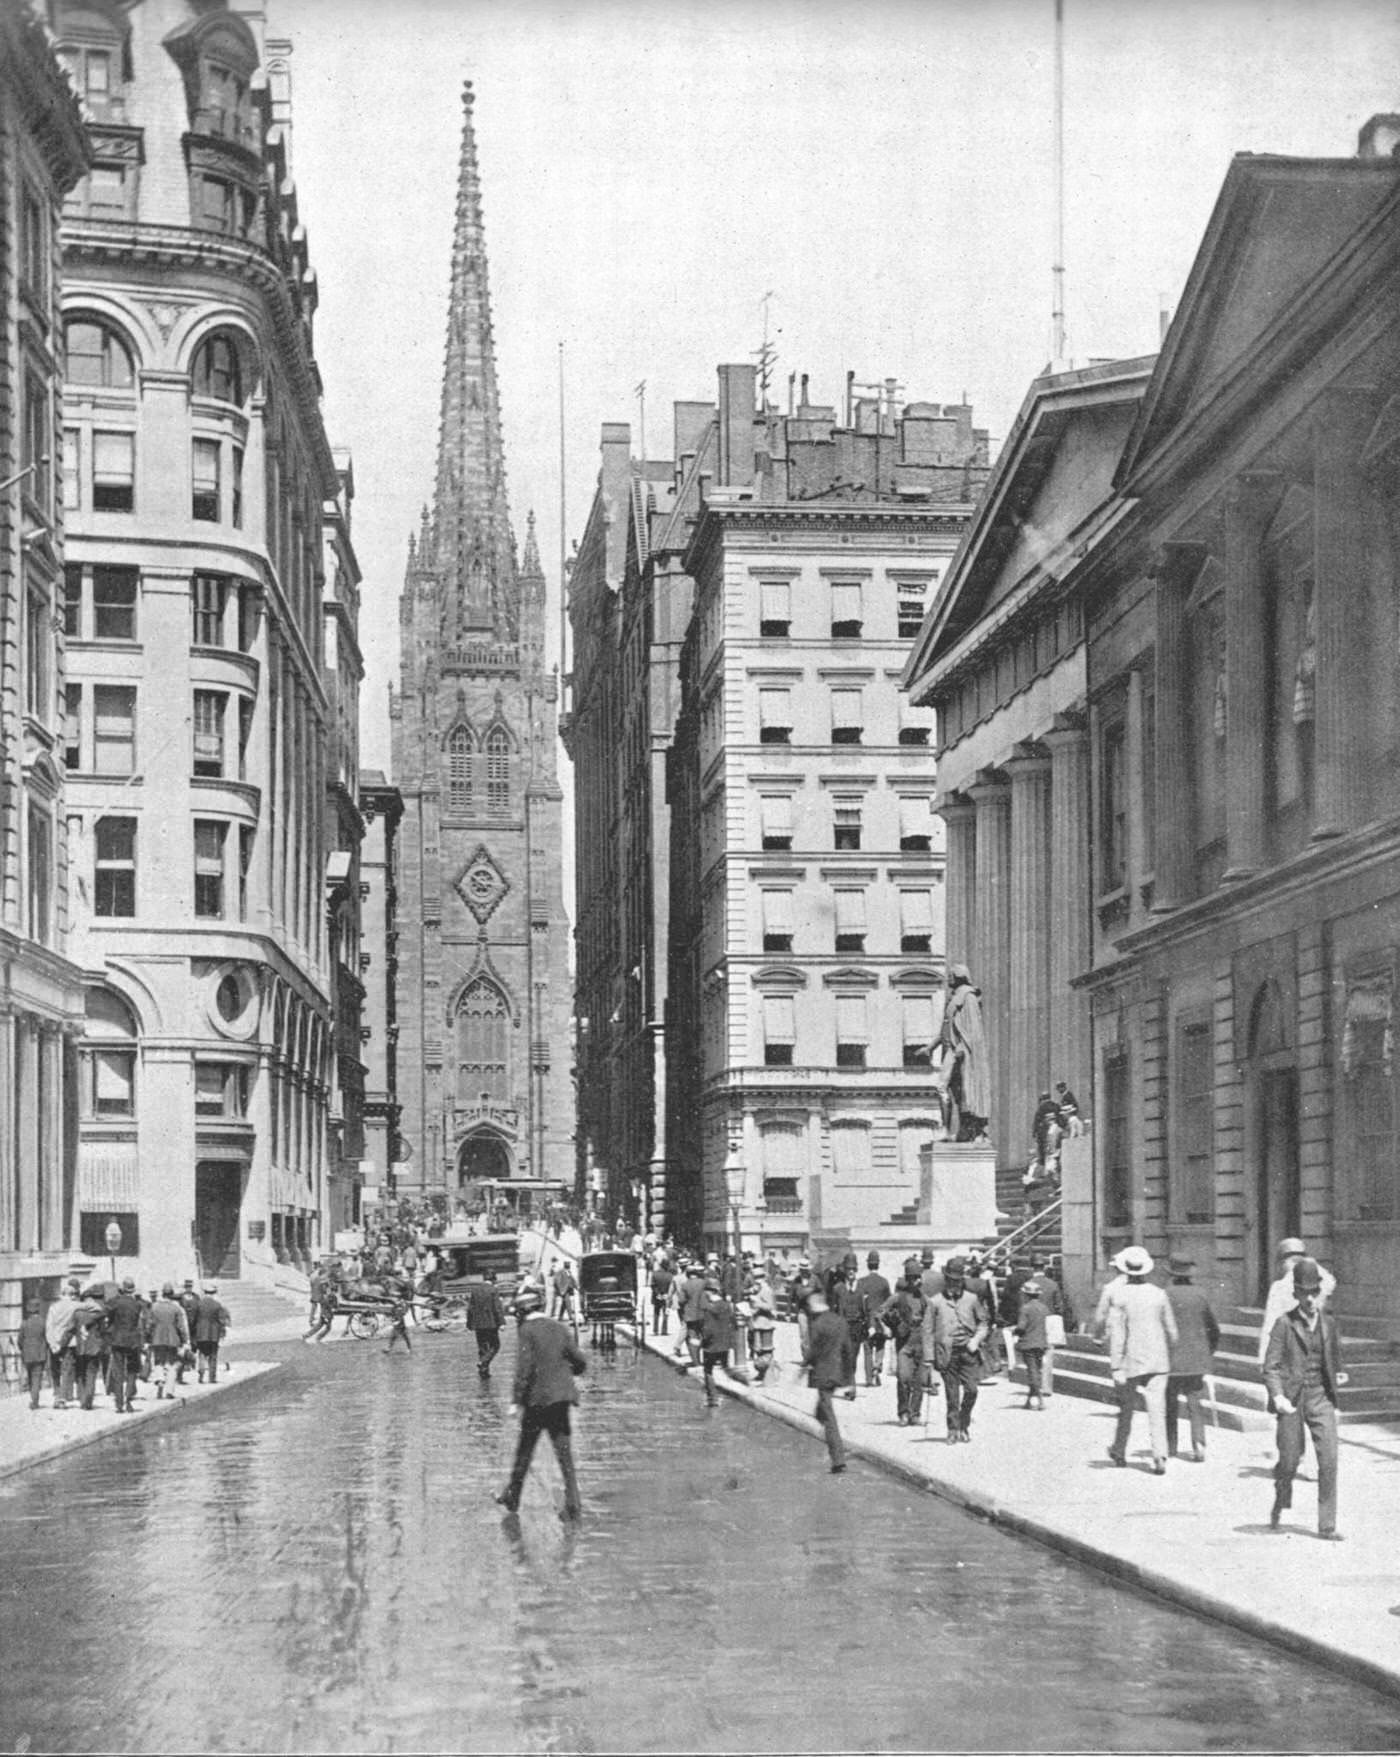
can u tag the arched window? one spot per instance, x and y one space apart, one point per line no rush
217 368
96 355
109 1057
92 47
483 1045
497 770
459 769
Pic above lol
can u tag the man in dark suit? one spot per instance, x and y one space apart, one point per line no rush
1197 1338
828 1359
547 1361
125 1338
873 1292
1302 1373
486 1316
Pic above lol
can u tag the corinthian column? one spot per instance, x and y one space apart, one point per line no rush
1070 829
1174 860
1246 659
991 970
1029 985
959 912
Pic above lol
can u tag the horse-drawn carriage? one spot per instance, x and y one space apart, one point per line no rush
607 1284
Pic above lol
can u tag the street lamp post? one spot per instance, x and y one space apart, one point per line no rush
113 1239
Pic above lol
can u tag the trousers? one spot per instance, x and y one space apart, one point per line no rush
961 1377
126 1363
488 1346
831 1428
1154 1394
551 1419
872 1349
909 1384
1192 1387
1317 1414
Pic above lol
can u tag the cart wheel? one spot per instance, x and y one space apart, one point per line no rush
364 1325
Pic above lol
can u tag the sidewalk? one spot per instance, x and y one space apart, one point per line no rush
34 1436
1198 1535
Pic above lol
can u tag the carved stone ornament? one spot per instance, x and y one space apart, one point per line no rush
166 317
482 885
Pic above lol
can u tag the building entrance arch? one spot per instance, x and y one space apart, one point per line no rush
483 1157
1274 1190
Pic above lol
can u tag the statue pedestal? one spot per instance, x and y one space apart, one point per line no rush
958 1193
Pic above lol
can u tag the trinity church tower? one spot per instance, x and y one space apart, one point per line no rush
483 981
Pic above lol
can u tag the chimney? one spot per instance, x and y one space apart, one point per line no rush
1379 138
616 449
737 385
690 421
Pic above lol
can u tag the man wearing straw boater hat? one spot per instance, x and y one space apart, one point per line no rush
1141 1331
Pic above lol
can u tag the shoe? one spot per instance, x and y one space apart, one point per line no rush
1159 1467
953 1436
1040 1404
965 1435
904 1421
850 1395
1276 1513
1118 1458
502 1499
837 1469
1331 1537
60 1405
1197 1455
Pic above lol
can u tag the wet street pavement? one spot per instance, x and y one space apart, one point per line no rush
315 1564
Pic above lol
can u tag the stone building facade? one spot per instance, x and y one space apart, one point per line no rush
382 809
484 1002
1243 672
197 735
43 152
806 932
1001 661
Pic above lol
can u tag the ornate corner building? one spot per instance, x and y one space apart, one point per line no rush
483 986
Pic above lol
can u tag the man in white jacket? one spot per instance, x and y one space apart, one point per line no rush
1141 1331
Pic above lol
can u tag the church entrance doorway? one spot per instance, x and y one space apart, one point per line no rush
483 1158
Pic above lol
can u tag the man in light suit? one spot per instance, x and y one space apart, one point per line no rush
547 1362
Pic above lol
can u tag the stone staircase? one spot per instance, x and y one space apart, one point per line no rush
1371 1359
251 1305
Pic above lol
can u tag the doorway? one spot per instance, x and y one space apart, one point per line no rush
484 1158
1278 1203
218 1199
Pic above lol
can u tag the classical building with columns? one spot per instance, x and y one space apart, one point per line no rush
1001 659
43 152
1242 659
806 924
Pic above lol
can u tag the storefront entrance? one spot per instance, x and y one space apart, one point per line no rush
218 1199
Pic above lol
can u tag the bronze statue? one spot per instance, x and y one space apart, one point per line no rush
963 1079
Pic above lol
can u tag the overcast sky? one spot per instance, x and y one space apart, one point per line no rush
651 170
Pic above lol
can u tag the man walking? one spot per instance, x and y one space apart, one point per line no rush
716 1335
547 1362
564 1287
211 1321
1141 1331
1197 1338
955 1329
89 1341
33 1349
873 1292
1280 1297
58 1334
661 1280
829 1367
126 1340
1302 1373
904 1319
170 1336
486 1316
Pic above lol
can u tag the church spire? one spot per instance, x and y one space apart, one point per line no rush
475 552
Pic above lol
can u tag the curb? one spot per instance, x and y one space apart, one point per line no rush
1119 1568
253 1370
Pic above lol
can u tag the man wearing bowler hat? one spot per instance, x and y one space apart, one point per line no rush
547 1364
1302 1373
1197 1338
1280 1296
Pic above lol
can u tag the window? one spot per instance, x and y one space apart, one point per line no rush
208 595
39 890
209 705
1113 805
459 769
37 439
245 733
912 731
774 716
782 1147
915 921
497 771
216 370
209 869
72 470
850 920
915 823
205 478
221 206
108 191
847 616
237 488
483 1044
775 609
1118 1165
113 729
1369 1095
114 603
109 1058
852 1034
38 650
96 356
72 725
850 1153
911 617
777 920
247 618
114 869
779 1030
113 472
846 716
72 600
246 835
1193 1160
225 109
846 830
220 1089
775 821
93 68
919 1032
33 245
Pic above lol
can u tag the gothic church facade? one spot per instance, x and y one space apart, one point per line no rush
483 988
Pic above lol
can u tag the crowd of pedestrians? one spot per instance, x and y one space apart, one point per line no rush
108 1340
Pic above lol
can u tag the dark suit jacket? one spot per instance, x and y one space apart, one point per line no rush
828 1352
1197 1333
1286 1358
484 1309
210 1320
546 1363
124 1325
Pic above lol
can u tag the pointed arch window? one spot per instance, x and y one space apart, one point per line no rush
483 1045
497 771
459 769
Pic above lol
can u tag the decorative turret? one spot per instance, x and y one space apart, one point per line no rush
532 598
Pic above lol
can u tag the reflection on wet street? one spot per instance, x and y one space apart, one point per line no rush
315 1564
